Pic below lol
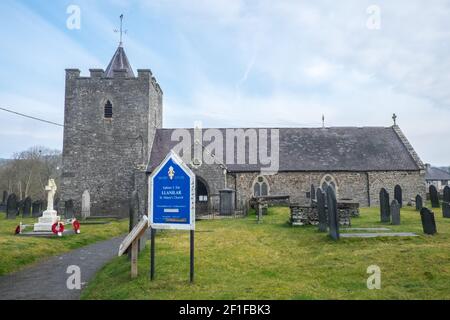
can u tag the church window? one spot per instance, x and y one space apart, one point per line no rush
108 110
328 180
260 187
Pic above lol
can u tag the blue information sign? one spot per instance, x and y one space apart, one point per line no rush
172 195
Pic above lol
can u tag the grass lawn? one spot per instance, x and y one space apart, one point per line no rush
16 251
239 259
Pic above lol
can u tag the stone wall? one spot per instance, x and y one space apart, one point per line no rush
350 185
101 155
411 182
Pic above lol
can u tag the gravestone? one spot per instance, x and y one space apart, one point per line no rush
385 210
68 209
419 203
395 212
434 197
446 209
446 196
11 206
313 193
26 207
398 195
5 197
20 207
36 209
333 219
323 221
428 222
85 205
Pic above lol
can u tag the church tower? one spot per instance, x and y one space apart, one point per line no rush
110 120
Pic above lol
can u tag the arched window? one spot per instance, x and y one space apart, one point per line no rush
108 110
260 187
328 180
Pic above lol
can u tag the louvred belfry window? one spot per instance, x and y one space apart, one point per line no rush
108 110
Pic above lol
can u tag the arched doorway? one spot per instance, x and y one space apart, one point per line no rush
201 197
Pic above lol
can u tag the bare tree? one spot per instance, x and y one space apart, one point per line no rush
28 172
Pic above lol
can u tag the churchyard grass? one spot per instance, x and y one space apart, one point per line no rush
240 259
17 252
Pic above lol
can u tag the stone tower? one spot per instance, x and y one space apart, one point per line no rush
110 119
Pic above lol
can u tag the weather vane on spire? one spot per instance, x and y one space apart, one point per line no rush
121 31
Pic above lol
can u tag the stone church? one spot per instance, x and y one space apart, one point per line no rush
114 138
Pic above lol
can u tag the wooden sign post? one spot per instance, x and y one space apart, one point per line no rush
172 203
132 239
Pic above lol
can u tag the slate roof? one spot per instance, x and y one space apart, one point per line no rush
319 149
119 61
436 174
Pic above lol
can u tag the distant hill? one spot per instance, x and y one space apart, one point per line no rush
445 168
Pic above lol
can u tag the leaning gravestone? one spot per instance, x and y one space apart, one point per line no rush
320 197
428 222
11 206
26 207
333 219
446 196
85 204
398 195
419 203
36 209
434 197
395 212
385 210
68 209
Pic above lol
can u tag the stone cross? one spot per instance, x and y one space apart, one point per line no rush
51 190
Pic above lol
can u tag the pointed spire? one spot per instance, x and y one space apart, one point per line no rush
119 61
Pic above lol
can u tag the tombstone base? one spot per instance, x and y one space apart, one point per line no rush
49 217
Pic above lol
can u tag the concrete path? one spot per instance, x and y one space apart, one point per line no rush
47 280
375 235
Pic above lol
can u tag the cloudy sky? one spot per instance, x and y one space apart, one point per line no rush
233 63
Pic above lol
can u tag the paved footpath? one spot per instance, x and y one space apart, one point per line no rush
47 279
